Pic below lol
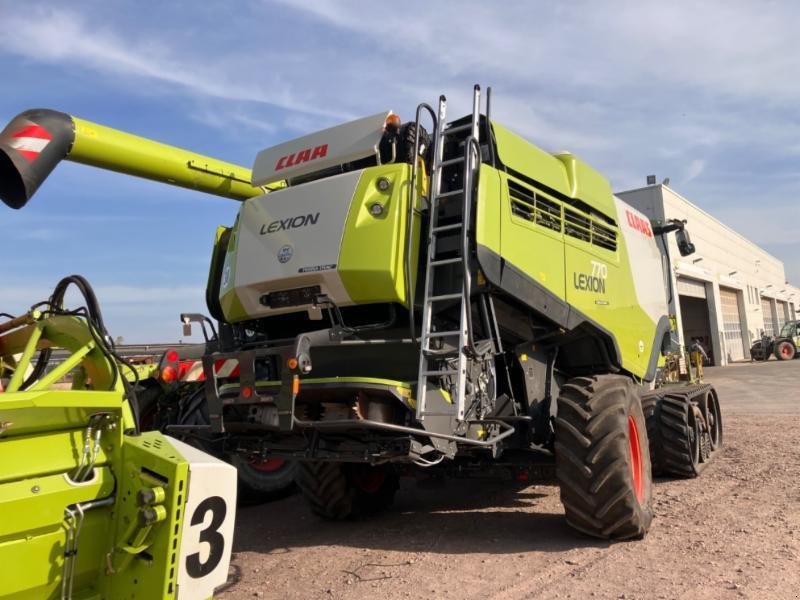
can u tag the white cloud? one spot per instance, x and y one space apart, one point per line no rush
61 36
696 167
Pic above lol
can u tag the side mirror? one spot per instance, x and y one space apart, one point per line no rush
685 245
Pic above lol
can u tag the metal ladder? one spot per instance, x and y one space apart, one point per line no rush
432 360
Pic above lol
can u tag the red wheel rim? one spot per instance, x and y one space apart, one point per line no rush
635 451
786 351
266 465
368 479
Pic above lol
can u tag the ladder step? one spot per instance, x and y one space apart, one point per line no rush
449 194
452 161
445 261
444 353
441 334
442 297
439 373
447 227
456 129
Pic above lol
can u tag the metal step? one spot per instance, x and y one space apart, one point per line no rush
441 334
450 227
456 129
445 261
442 297
451 161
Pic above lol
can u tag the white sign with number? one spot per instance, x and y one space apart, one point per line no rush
208 519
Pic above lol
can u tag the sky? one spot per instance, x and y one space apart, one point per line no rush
703 93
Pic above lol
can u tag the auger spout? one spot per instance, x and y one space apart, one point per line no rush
35 141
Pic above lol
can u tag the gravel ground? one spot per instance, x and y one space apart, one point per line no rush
732 533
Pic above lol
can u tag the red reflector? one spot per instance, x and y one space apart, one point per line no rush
247 392
523 476
169 374
172 356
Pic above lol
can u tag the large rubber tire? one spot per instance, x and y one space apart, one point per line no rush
255 485
262 480
340 491
602 458
785 350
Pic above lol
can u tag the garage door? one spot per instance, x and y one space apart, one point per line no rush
731 324
783 313
691 287
769 323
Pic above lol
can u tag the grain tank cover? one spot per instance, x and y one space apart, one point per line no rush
317 151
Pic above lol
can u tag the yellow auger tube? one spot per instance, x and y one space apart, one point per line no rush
35 141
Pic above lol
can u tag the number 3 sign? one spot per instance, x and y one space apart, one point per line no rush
208 518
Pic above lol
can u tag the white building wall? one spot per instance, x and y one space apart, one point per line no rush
724 258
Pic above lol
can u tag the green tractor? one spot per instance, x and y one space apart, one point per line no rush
452 300
93 508
784 346
788 341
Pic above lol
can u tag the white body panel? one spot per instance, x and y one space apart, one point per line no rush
208 519
291 239
646 260
327 148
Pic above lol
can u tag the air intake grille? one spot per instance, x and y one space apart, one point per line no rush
528 204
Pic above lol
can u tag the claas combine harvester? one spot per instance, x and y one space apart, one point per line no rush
434 295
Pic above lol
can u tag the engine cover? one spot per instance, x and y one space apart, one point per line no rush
343 237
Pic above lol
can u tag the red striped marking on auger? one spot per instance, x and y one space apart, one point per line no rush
30 141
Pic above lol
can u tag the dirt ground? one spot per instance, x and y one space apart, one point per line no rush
733 533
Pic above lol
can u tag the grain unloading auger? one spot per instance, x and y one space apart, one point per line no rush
35 141
462 301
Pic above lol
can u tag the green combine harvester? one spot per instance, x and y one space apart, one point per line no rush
394 300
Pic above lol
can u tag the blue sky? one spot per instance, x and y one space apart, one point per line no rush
703 93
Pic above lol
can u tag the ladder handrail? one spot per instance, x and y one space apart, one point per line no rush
412 201
470 145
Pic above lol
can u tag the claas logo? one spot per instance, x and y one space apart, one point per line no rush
306 155
639 224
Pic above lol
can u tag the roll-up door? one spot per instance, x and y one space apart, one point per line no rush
769 322
691 288
731 323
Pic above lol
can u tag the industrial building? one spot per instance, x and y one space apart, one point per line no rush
730 291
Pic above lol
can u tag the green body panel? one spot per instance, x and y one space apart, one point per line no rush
115 150
535 250
539 248
616 307
372 255
231 305
563 172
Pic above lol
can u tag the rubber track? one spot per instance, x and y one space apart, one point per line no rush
650 404
667 413
592 458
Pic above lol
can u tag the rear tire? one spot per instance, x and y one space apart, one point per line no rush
602 458
255 485
262 480
340 491
785 350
